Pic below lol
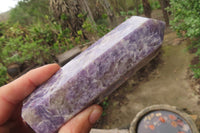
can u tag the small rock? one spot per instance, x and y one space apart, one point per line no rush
109 131
116 94
115 103
194 117
198 103
197 122
177 41
132 82
196 88
13 70
68 55
84 48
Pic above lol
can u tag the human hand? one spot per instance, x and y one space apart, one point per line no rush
13 94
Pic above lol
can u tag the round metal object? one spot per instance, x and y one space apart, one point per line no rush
162 119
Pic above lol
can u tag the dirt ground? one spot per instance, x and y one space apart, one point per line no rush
165 80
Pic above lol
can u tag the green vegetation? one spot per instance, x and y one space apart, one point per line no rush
186 22
154 5
104 105
3 75
29 12
32 37
196 71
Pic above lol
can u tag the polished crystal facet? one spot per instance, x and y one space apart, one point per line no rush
93 74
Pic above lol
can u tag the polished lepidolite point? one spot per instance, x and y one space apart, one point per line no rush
93 74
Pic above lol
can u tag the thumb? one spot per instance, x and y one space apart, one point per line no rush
82 122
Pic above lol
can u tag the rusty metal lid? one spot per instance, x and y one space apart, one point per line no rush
162 119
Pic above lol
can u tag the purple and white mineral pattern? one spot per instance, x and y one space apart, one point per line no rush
93 74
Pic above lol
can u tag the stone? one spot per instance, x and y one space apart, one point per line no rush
13 70
109 131
84 48
68 55
93 74
194 117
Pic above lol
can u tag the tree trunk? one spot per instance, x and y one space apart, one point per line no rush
71 9
86 8
164 4
168 5
147 8
117 6
136 2
123 5
107 7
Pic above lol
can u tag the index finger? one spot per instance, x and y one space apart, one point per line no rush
14 93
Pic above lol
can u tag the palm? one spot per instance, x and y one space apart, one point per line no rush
15 124
12 95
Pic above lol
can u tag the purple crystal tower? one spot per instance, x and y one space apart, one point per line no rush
93 74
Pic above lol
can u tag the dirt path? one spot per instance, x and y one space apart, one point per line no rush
165 82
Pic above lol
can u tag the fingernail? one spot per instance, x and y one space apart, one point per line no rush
95 115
